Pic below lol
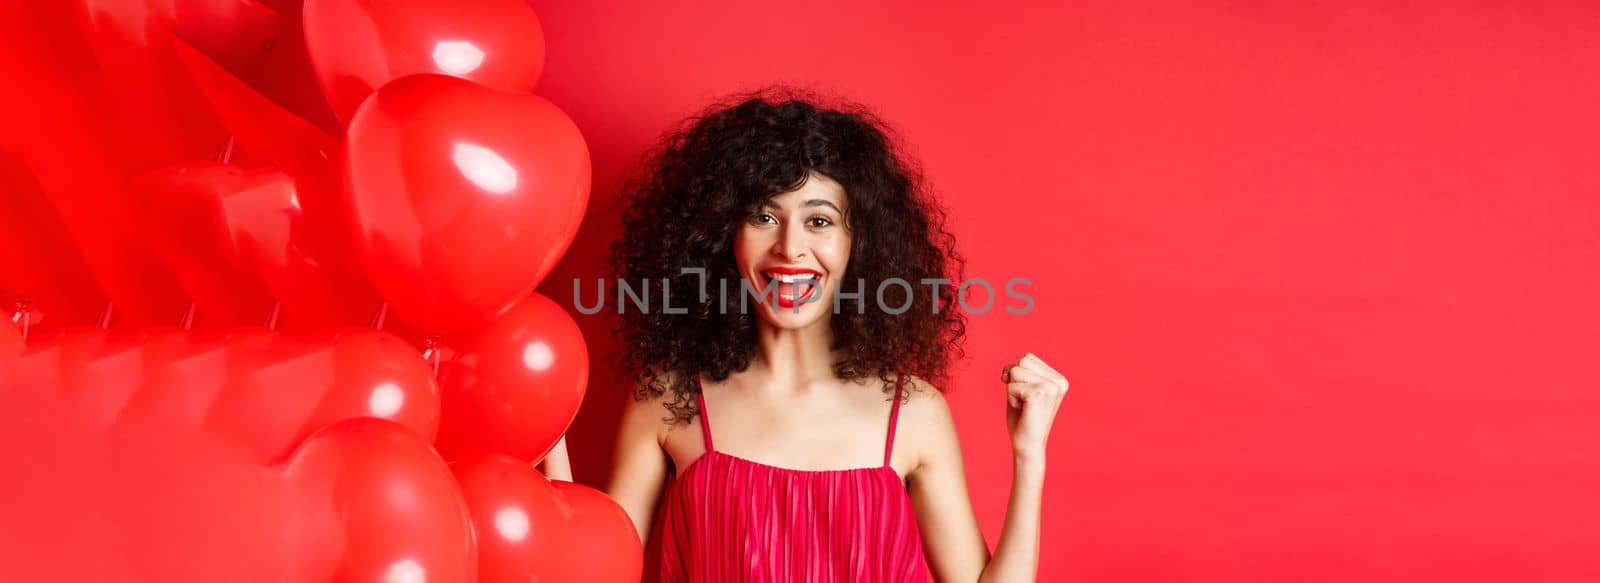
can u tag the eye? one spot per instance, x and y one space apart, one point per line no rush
763 218
820 222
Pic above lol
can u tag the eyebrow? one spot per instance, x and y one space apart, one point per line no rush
811 202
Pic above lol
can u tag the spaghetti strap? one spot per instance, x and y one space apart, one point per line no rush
705 419
894 418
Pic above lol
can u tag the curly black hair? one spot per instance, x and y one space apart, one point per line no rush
705 178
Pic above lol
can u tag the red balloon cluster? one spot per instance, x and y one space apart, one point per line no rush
235 456
210 210
528 524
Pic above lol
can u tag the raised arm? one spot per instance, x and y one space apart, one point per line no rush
950 537
639 470
955 547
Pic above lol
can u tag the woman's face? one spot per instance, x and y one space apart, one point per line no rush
795 245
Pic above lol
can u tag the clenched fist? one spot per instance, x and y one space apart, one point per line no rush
1033 394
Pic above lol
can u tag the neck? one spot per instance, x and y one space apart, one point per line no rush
795 358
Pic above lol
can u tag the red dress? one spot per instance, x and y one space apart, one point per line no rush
727 518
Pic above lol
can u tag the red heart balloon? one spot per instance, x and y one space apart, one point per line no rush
103 374
493 189
300 244
283 70
357 46
150 106
239 241
65 162
183 377
196 238
53 499
201 511
263 128
530 528
514 387
42 271
276 238
231 31
284 390
382 506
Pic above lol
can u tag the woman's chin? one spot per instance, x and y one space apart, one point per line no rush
786 315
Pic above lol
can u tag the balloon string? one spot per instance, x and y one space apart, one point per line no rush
378 318
272 319
22 318
430 352
105 317
227 151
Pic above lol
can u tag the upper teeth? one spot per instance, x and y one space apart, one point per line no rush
793 277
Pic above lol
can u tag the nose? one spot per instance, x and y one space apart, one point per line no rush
791 244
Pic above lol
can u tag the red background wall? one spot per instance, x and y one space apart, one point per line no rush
1322 275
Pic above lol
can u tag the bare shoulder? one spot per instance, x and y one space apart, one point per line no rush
924 401
926 423
650 411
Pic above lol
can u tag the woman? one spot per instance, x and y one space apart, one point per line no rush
803 438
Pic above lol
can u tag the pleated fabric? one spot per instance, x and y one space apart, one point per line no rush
732 519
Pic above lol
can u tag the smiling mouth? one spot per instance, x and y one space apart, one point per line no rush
791 288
